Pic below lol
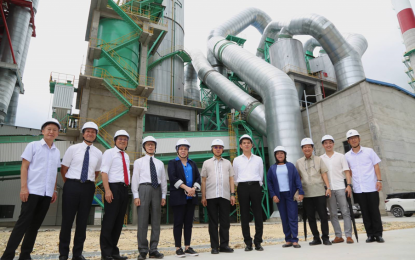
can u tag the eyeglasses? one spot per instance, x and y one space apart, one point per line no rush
122 139
217 147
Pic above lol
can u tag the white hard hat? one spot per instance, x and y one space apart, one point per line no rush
121 132
245 136
181 142
52 121
217 142
351 133
149 139
280 148
90 125
306 141
327 137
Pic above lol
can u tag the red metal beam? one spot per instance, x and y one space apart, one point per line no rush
7 31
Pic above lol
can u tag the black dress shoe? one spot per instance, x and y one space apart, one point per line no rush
119 257
370 239
248 248
142 256
297 246
379 239
287 245
106 258
157 255
226 249
327 242
258 247
63 257
315 242
79 257
214 251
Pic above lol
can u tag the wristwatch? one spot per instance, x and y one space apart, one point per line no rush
233 194
379 180
351 185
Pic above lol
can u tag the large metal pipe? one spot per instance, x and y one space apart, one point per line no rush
191 90
283 116
346 60
251 16
18 23
271 31
229 93
14 101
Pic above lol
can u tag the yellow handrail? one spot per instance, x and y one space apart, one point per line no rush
143 13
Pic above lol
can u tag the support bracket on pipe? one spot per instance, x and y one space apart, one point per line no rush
15 68
249 108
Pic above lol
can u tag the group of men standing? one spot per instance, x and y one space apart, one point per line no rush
321 178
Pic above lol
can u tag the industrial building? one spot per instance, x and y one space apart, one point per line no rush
139 77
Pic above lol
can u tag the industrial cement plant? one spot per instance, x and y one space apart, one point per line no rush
138 76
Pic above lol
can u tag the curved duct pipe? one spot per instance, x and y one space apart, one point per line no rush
14 101
191 90
271 31
250 16
18 22
229 93
283 116
357 41
345 58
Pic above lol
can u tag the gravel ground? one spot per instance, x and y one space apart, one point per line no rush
47 240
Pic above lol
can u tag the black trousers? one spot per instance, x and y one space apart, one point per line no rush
218 212
250 196
113 220
32 214
311 206
183 216
369 204
76 200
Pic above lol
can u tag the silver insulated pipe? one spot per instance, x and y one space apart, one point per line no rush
345 58
18 23
14 101
191 90
229 93
283 116
250 16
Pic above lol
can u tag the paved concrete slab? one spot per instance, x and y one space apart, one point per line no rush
399 245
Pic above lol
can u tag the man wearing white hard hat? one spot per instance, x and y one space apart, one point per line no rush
217 191
313 173
80 168
184 179
115 172
338 172
367 182
284 184
249 177
40 163
149 188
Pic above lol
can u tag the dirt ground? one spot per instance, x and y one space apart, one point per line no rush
47 240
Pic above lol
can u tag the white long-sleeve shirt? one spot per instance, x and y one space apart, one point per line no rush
142 174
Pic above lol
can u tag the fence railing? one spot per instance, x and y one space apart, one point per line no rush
177 100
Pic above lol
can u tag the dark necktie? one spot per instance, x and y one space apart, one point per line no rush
154 181
125 168
85 165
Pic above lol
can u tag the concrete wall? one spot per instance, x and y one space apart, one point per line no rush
382 116
174 112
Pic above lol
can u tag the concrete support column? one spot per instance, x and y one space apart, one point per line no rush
93 33
321 119
377 144
83 112
143 64
317 91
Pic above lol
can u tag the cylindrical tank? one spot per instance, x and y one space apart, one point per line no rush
287 54
328 66
109 30
169 74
